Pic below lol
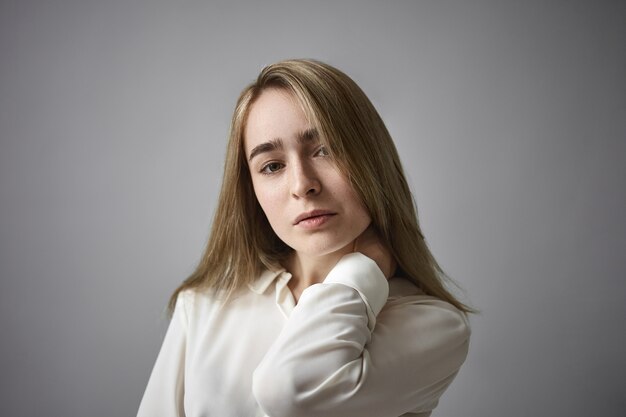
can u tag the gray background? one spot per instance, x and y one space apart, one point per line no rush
510 118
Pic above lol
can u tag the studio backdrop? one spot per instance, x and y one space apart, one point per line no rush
509 116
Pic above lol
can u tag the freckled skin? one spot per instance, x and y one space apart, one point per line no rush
298 177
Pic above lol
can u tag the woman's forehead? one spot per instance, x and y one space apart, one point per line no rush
276 115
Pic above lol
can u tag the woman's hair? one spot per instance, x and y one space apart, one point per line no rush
242 243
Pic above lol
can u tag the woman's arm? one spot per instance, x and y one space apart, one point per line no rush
342 354
165 390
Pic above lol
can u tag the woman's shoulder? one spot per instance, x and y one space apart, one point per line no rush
406 296
192 302
209 302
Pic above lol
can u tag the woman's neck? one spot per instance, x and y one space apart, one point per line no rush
307 270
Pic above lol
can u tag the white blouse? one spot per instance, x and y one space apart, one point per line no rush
354 345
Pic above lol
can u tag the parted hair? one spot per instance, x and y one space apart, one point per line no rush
242 243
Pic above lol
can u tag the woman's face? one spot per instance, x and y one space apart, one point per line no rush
309 204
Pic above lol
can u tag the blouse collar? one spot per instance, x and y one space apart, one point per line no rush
265 280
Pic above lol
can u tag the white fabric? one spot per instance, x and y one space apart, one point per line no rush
354 345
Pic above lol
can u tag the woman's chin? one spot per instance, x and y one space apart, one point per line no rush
324 249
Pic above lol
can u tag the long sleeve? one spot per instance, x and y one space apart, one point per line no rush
344 352
165 390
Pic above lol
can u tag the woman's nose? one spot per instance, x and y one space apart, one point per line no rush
304 181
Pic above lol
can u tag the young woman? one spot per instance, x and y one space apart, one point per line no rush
317 294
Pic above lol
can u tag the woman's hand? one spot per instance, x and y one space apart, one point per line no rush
370 245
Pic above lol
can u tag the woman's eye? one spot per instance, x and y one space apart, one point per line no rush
271 167
322 151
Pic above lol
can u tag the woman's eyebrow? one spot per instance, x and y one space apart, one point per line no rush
306 136
270 146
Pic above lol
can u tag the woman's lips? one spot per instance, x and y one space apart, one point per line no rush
315 221
313 218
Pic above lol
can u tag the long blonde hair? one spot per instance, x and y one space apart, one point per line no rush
242 244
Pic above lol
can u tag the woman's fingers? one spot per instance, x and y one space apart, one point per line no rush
370 245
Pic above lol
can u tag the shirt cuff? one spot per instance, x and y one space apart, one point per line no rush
363 274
